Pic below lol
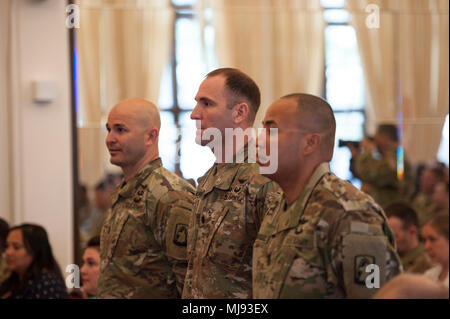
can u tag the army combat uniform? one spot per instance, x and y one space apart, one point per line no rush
424 207
4 271
416 261
320 246
227 212
380 174
143 240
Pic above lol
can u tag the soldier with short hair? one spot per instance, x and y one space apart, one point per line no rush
144 236
322 237
404 223
229 204
423 202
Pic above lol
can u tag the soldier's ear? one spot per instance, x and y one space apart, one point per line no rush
240 112
312 143
152 135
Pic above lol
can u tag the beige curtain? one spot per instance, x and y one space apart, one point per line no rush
406 65
123 46
280 44
5 34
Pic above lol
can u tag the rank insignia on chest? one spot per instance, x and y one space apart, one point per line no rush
236 193
180 236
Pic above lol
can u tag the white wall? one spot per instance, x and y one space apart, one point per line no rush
39 136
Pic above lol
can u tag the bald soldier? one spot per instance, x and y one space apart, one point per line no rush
143 239
317 239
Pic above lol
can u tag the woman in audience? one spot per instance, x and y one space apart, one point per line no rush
91 267
35 273
435 234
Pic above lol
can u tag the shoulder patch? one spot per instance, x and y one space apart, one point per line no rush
361 263
180 235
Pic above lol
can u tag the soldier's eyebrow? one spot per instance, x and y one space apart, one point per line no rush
269 123
205 100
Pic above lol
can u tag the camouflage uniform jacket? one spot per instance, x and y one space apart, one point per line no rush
4 271
320 245
380 174
227 212
424 207
416 261
143 240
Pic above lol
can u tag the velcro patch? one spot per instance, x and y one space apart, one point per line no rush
180 235
361 262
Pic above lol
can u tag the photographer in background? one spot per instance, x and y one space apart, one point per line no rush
375 164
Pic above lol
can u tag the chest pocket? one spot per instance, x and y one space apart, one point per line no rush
111 233
228 243
297 267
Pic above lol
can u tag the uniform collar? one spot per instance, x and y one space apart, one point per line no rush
290 217
222 176
127 189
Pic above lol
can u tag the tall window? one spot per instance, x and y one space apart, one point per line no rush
188 65
344 83
344 88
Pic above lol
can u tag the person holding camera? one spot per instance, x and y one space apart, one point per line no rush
375 164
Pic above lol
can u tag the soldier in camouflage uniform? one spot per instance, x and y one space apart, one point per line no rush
229 204
318 238
423 202
405 225
144 237
376 167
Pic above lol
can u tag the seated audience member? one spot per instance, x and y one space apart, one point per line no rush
91 267
405 225
435 234
412 286
35 273
440 197
423 202
4 229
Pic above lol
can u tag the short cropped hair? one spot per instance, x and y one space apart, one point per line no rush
390 130
404 212
94 242
241 88
318 113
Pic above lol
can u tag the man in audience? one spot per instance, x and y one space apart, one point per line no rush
405 225
4 229
323 237
377 168
102 204
143 239
423 202
229 205
440 197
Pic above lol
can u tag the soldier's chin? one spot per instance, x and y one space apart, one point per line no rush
199 141
114 160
